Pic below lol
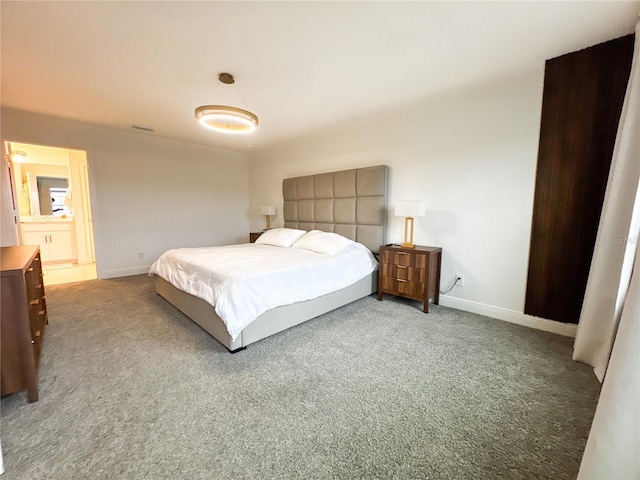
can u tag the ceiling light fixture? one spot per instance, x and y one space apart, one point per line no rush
224 118
18 155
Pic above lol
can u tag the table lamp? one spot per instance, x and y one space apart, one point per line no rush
267 212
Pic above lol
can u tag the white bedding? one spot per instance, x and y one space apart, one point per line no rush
244 281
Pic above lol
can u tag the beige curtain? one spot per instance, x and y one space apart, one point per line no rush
608 336
613 448
615 247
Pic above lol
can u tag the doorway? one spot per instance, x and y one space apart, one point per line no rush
53 209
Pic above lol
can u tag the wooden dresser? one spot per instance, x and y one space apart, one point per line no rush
23 319
411 273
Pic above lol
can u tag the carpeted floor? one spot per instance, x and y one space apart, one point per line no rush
132 389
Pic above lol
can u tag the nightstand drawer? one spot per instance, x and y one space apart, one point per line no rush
406 259
401 272
411 289
401 287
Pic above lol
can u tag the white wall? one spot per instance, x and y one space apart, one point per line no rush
148 194
470 155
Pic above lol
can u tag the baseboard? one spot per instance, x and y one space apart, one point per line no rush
123 272
566 329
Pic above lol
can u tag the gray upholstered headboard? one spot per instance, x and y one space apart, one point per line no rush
352 203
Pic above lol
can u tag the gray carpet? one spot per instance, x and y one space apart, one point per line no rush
132 389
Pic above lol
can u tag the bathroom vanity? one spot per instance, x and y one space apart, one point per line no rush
55 236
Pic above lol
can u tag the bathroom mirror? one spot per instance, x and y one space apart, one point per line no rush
53 196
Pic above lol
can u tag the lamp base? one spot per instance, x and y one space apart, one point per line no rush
408 233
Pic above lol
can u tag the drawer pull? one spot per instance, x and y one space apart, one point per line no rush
30 269
33 341
39 286
41 312
403 253
402 266
38 333
34 302
400 280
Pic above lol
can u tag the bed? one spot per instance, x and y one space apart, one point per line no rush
351 203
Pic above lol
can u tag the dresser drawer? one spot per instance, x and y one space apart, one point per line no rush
37 315
37 348
32 280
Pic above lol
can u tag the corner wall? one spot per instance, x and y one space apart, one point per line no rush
148 194
469 154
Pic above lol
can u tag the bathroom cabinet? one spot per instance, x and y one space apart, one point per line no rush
55 238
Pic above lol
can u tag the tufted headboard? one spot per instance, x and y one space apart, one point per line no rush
352 203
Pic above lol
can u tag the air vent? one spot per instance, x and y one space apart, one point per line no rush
142 127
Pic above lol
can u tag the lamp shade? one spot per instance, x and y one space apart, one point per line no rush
411 209
267 210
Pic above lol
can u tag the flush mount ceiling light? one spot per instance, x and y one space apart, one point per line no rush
18 155
224 118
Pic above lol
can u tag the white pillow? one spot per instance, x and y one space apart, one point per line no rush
324 242
280 237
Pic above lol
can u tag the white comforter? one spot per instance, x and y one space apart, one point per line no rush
244 281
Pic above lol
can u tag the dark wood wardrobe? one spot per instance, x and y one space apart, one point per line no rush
582 101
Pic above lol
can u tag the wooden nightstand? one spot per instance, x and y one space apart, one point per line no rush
253 236
411 273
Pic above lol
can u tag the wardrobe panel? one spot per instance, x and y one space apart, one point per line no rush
582 101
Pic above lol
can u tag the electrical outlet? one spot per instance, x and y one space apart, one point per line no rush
141 255
459 280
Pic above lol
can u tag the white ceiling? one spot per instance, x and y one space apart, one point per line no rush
299 66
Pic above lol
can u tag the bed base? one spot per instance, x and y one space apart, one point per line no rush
270 322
